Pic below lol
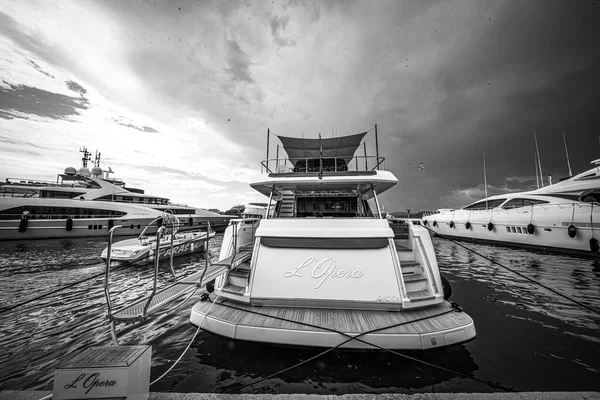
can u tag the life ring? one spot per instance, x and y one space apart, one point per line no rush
468 225
530 229
69 224
451 224
594 245
490 226
434 223
572 231
446 288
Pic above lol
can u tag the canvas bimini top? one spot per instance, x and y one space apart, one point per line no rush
319 164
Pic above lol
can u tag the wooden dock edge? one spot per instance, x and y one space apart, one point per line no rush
36 395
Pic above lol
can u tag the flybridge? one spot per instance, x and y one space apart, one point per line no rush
323 155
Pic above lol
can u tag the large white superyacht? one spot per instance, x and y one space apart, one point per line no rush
84 202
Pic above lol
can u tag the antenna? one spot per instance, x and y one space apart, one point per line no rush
485 182
97 159
567 152
538 158
86 156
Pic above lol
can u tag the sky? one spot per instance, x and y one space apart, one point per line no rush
178 95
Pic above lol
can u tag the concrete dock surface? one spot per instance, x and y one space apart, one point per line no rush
37 395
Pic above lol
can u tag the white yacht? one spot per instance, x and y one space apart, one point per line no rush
171 243
42 209
563 217
326 269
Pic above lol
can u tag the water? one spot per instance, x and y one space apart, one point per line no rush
527 337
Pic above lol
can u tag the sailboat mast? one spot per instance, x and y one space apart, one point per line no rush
537 179
567 152
485 182
538 158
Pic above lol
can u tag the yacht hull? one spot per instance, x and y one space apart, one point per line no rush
437 326
543 228
57 228
142 251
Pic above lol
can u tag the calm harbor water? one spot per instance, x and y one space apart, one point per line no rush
527 337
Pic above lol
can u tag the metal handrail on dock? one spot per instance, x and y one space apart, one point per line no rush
141 309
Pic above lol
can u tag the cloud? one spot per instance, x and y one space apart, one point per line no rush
238 62
148 129
19 101
281 37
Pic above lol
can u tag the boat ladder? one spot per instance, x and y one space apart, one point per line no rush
140 309
418 279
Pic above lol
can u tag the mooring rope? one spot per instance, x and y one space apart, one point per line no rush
455 308
189 344
519 274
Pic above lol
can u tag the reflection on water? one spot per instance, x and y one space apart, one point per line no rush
528 337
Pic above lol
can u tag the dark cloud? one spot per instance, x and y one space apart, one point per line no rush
238 62
524 67
74 86
17 99
41 70
281 37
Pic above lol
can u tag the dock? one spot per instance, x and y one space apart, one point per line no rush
36 395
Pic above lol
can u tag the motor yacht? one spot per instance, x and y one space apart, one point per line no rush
171 242
326 269
562 218
50 207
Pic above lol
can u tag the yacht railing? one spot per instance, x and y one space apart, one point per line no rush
325 164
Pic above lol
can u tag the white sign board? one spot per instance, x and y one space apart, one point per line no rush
364 275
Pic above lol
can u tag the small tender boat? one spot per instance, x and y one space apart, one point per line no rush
142 249
326 269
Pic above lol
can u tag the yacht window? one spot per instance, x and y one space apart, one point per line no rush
481 205
340 207
532 202
44 212
589 176
57 194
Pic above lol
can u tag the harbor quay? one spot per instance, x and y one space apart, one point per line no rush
37 395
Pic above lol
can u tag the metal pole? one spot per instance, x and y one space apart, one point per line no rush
270 199
376 147
537 180
376 201
268 135
156 261
567 152
485 182
172 238
365 146
277 158
538 158
107 272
